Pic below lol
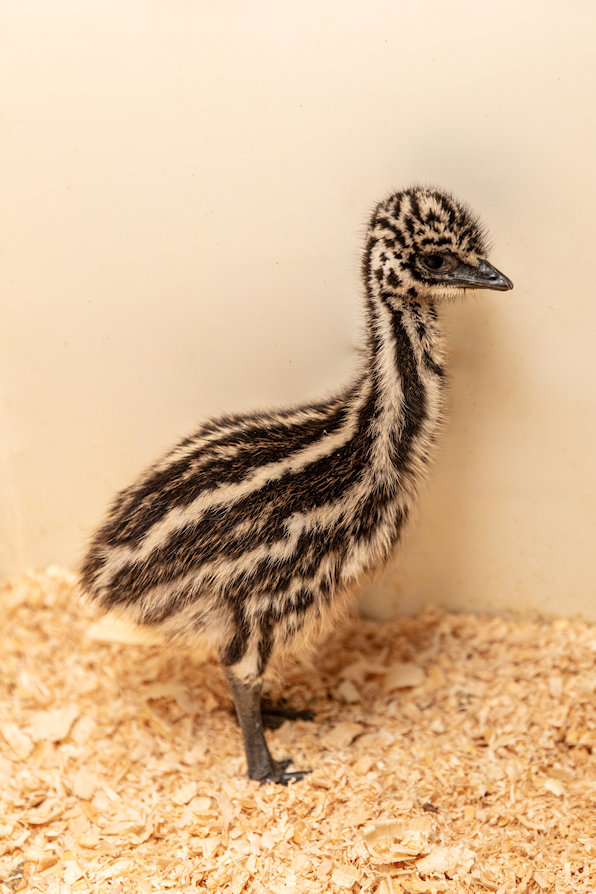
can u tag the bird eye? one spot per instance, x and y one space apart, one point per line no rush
438 263
434 262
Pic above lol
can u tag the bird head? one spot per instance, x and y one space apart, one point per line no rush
425 244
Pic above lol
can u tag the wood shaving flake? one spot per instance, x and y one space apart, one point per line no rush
345 877
544 880
451 753
48 812
555 787
84 784
53 725
555 686
343 734
348 692
403 675
72 872
393 841
447 861
20 743
184 793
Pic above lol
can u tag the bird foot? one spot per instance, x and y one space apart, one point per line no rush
280 774
274 715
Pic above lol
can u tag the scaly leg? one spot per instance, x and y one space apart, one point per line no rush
261 766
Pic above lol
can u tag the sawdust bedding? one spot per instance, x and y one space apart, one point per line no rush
450 753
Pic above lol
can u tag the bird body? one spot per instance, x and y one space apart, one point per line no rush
251 531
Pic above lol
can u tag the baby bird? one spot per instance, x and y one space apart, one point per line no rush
251 531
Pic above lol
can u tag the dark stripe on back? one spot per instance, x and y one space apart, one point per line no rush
273 578
322 481
182 481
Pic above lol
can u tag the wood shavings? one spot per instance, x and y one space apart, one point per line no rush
348 692
555 786
396 841
84 784
52 726
49 811
345 877
343 734
447 861
403 675
111 629
20 743
451 753
184 793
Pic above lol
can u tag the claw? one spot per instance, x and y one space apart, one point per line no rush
282 776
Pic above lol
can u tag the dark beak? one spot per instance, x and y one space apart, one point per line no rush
484 276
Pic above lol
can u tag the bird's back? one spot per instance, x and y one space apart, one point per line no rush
264 507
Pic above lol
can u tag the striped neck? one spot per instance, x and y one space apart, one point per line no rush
402 338
404 366
402 327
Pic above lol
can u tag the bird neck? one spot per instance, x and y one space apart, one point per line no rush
404 369
402 327
404 344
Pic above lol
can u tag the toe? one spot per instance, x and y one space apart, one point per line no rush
282 776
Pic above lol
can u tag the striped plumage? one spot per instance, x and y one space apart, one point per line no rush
250 531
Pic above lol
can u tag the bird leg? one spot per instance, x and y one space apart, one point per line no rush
261 765
274 715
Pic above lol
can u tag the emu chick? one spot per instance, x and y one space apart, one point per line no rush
250 532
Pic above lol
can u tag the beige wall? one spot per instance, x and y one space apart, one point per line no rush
185 187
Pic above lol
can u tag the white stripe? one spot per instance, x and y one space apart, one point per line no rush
180 516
